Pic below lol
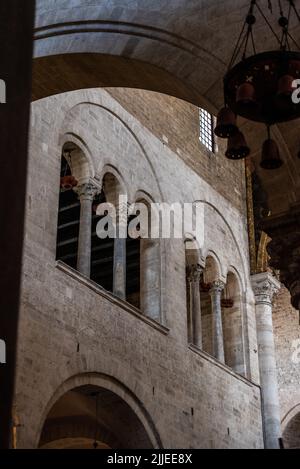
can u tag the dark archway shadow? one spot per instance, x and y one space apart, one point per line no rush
291 434
69 72
90 414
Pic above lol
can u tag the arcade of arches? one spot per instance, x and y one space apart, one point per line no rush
137 342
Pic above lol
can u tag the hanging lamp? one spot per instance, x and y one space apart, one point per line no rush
259 86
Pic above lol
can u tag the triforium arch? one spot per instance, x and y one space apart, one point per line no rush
101 45
232 320
115 195
210 285
75 188
81 154
150 256
78 159
222 315
96 411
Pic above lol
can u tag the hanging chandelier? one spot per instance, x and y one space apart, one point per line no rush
259 86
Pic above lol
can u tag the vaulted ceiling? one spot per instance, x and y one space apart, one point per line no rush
177 47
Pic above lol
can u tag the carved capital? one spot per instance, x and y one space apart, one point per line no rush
193 273
87 191
265 286
217 287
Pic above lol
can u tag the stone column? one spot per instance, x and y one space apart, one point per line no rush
86 193
193 276
264 287
119 282
217 327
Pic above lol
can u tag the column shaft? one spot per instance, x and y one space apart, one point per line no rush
217 327
120 251
194 274
119 287
265 286
86 193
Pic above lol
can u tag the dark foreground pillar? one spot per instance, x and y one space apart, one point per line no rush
16 31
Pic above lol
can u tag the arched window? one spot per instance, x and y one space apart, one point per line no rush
206 130
221 317
77 192
102 251
127 266
68 214
116 258
291 434
209 276
232 325
133 270
150 272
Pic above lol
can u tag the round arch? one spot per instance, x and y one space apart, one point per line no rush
291 428
106 44
76 398
117 180
129 127
289 416
212 267
207 250
70 138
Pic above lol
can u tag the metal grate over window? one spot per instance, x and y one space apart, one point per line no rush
206 134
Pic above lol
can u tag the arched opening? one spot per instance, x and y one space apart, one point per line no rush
90 417
233 325
115 255
133 270
291 434
102 250
73 166
150 277
92 70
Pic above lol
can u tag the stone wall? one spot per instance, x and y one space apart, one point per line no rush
72 328
287 342
176 124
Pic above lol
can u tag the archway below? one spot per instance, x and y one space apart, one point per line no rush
90 417
69 72
291 434
75 443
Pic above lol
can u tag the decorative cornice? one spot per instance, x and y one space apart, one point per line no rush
265 286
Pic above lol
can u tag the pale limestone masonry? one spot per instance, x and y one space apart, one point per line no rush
72 331
265 286
287 343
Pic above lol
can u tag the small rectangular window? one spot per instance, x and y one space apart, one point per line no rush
206 134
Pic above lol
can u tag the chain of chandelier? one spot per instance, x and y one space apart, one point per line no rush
260 86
